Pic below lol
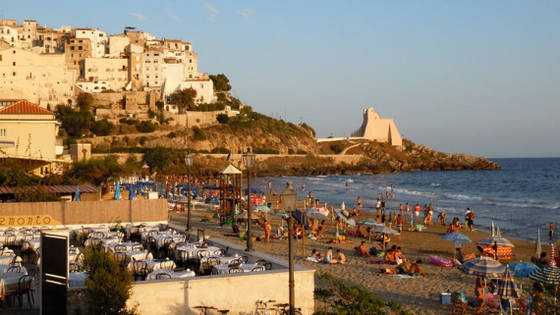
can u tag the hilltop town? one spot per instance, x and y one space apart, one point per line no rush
73 94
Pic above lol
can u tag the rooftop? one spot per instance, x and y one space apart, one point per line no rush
24 107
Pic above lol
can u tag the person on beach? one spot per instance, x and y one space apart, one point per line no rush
441 218
362 250
400 223
329 257
359 203
415 269
401 209
469 218
479 293
347 184
378 205
551 232
267 231
303 187
407 207
340 257
316 254
417 209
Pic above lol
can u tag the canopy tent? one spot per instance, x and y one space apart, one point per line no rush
231 170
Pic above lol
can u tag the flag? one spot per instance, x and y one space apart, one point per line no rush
228 156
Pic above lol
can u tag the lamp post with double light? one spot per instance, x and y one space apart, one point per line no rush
289 198
249 161
189 162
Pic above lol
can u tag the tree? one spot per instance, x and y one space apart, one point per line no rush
109 283
146 126
85 101
159 105
96 171
158 157
30 194
221 82
102 127
75 123
184 99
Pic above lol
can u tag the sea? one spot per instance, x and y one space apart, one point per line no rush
521 198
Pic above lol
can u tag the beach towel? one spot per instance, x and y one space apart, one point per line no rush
403 276
382 262
312 259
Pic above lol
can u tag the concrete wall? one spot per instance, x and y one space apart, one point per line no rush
91 212
236 293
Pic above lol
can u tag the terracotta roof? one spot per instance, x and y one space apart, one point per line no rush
25 107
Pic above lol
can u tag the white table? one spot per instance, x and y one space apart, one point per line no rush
6 260
191 251
221 259
129 246
154 264
224 269
77 279
138 254
4 268
160 238
33 244
174 275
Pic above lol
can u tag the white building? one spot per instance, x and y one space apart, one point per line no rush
93 87
153 69
204 89
99 40
9 35
117 44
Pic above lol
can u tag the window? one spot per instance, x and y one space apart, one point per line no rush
0 57
14 74
3 132
13 63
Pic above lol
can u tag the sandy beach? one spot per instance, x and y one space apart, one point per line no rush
419 295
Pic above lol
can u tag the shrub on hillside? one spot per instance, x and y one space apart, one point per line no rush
222 118
198 134
146 126
265 151
221 82
102 127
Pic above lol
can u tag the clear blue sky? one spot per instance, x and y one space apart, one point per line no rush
480 77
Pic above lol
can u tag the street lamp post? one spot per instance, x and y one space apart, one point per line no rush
249 161
189 162
289 198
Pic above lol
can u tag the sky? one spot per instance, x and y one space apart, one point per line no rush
477 77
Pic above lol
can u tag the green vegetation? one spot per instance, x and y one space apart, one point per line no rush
33 194
171 135
109 284
184 99
343 298
96 171
198 134
222 118
146 126
221 82
158 158
208 107
336 148
102 127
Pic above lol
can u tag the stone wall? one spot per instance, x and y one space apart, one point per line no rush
199 119
91 212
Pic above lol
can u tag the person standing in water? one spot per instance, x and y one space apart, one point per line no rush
347 184
359 203
551 231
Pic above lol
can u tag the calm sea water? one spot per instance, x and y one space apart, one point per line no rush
523 196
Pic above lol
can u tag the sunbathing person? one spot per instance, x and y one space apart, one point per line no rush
320 231
329 257
415 269
390 255
315 253
362 250
340 257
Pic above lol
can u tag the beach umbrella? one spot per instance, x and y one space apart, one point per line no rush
117 192
498 233
538 248
500 241
318 213
483 266
493 230
506 286
385 230
370 222
548 275
77 195
343 206
552 259
344 219
457 238
522 269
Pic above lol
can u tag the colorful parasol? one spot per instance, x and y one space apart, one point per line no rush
522 269
506 286
483 267
548 275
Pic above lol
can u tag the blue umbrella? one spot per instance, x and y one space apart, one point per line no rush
522 269
506 286
456 237
77 195
370 222
483 266
117 192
